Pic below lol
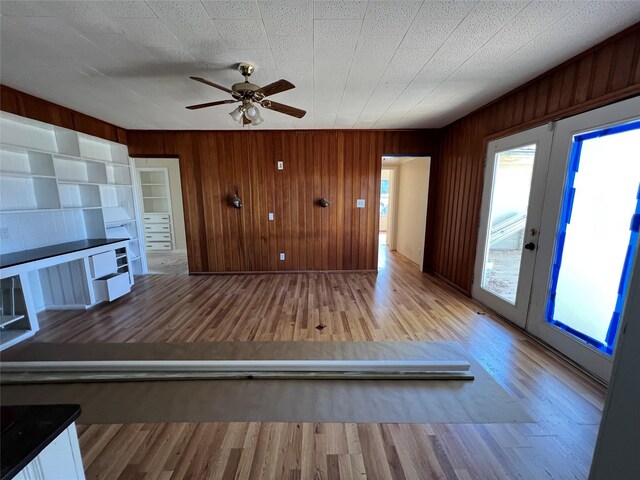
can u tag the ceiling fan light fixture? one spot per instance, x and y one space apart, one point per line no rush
251 112
236 114
250 96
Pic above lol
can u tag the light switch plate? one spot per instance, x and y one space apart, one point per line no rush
281 255
280 165
360 203
270 215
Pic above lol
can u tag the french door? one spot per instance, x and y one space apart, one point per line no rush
588 235
515 180
582 222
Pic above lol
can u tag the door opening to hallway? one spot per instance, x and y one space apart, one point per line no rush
404 189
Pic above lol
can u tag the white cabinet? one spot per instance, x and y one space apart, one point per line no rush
103 264
157 228
150 218
157 237
61 459
158 246
111 287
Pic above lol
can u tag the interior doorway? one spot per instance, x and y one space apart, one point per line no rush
160 196
404 191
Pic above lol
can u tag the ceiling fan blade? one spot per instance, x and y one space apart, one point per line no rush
281 85
210 104
282 108
211 84
245 121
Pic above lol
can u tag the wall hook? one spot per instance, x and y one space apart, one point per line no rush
235 200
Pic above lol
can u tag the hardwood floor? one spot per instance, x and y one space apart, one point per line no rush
399 303
171 263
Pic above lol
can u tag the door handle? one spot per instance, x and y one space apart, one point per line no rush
530 246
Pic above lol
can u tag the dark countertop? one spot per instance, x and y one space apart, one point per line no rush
26 256
29 430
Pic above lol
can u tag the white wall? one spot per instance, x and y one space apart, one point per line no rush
175 187
413 187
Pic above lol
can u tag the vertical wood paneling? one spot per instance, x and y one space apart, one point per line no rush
25 105
606 73
336 164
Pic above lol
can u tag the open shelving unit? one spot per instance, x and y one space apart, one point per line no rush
156 203
60 185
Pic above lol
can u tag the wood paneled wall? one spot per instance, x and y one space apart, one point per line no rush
340 165
25 105
604 74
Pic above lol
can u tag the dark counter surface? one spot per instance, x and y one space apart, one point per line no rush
27 430
26 256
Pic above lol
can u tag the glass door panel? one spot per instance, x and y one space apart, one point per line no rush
508 217
509 221
597 235
588 234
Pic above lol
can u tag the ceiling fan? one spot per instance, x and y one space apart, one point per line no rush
250 95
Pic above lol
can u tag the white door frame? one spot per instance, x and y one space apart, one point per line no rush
585 355
542 137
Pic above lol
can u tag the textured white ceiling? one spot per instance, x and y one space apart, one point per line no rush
356 64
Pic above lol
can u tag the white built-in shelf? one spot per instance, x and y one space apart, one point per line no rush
47 169
6 320
120 222
28 193
59 209
78 182
23 175
34 151
11 337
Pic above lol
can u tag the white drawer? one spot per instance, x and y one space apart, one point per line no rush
157 237
164 246
111 287
103 264
157 227
156 218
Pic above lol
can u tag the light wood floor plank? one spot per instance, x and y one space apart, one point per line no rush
399 303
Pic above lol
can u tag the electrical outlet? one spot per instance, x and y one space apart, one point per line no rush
4 233
270 215
360 203
281 256
280 165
